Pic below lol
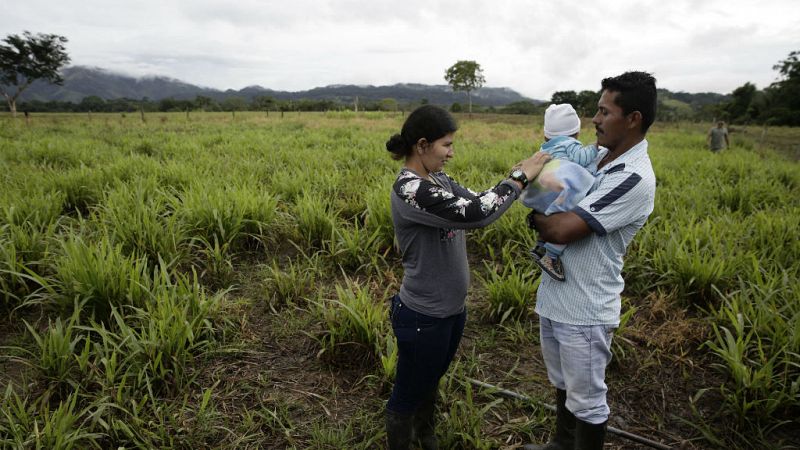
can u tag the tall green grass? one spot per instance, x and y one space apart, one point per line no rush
234 214
140 219
128 235
100 276
354 321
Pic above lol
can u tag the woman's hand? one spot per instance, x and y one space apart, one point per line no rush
533 165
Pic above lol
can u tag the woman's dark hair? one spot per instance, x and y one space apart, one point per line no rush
637 92
427 121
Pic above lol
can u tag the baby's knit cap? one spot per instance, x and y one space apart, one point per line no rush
561 120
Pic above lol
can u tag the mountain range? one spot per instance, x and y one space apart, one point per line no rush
82 81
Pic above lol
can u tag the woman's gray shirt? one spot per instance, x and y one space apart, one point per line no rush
429 222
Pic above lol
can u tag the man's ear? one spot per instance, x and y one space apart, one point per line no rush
635 120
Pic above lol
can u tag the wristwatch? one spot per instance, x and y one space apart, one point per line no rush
519 175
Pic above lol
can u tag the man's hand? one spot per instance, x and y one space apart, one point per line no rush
559 228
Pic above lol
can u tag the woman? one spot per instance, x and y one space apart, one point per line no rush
430 212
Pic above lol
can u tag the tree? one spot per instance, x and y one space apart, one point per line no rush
234 104
561 97
465 76
789 68
28 58
521 107
587 103
263 103
388 104
783 96
92 103
739 106
672 110
204 103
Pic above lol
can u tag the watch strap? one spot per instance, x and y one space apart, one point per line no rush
519 175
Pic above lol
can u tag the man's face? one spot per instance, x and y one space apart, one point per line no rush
611 124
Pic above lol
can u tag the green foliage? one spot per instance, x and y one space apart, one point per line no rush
233 215
584 102
522 107
465 76
176 324
354 249
757 339
116 216
291 282
100 275
35 208
621 346
509 289
25 251
27 58
30 424
465 418
354 318
315 219
138 217
378 218
784 95
61 354
560 97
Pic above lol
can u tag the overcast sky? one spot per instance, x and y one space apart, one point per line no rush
533 47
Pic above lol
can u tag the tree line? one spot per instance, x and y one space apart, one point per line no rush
777 104
30 57
199 103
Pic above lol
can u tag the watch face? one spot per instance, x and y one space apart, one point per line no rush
517 174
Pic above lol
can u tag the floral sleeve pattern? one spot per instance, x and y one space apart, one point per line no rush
461 205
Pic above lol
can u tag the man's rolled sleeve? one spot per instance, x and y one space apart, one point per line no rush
620 199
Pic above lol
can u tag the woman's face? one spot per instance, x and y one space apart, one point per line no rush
436 154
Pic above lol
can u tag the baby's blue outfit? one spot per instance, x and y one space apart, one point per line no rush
576 171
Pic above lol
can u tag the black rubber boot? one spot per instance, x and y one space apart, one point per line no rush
589 436
425 423
398 430
564 438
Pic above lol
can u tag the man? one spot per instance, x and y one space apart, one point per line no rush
578 316
717 137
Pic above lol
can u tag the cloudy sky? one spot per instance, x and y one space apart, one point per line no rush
533 47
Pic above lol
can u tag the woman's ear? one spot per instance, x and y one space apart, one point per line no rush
422 145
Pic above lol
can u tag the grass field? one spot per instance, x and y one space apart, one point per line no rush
214 281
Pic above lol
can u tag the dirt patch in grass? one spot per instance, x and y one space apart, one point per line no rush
270 389
13 335
276 369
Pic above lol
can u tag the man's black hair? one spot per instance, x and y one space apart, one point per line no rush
636 92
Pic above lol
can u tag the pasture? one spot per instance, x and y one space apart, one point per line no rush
219 281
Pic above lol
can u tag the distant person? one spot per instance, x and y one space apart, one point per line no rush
563 182
718 136
430 212
577 318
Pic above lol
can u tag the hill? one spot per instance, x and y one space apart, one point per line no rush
80 82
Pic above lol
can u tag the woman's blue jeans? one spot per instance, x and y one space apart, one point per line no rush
426 346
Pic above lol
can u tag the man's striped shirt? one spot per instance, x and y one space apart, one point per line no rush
615 209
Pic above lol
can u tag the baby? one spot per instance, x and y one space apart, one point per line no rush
563 182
